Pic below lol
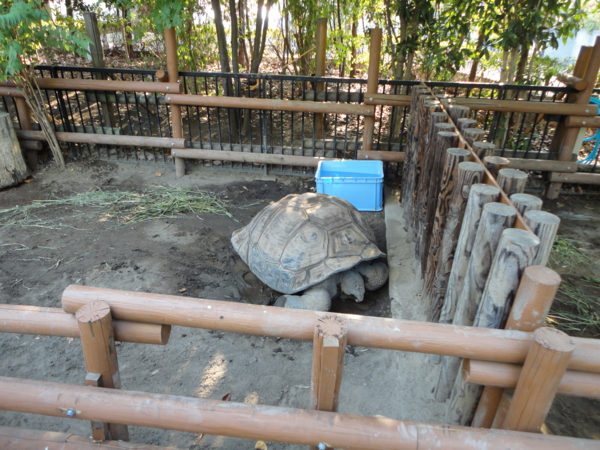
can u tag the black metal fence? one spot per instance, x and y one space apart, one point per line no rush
521 135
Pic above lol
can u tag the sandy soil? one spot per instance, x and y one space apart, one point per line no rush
192 256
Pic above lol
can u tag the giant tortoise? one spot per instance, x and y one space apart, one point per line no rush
311 240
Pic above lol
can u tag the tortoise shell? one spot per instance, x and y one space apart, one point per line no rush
303 239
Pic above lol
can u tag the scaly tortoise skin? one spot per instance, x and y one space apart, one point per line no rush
303 239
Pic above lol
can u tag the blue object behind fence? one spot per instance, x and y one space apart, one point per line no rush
359 182
589 159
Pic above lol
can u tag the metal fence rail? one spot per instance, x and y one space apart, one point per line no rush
523 135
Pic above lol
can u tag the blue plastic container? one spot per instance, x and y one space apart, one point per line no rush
359 182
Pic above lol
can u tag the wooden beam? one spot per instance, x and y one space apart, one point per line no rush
372 84
541 165
572 81
77 84
573 383
288 323
214 101
577 121
24 439
268 423
106 139
577 178
524 106
320 63
37 320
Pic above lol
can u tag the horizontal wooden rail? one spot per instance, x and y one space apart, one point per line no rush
105 139
37 320
575 383
6 91
26 439
387 99
541 165
214 101
75 84
524 106
405 335
275 158
578 178
583 121
576 83
268 423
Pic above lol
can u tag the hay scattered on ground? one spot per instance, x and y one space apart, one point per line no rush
122 207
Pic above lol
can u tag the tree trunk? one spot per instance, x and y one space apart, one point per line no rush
69 6
522 63
475 64
127 36
234 37
12 165
353 49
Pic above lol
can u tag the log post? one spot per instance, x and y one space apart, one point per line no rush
100 431
465 123
503 405
532 303
583 98
329 347
526 202
479 196
453 157
473 135
413 159
495 163
444 140
321 62
545 226
99 352
437 122
544 367
516 251
496 217
176 118
512 181
468 174
24 114
372 83
483 149
12 165
458 112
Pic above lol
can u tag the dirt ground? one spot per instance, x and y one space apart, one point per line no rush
192 256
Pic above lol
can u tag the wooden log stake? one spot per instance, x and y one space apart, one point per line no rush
512 181
526 202
458 112
173 72
495 163
100 431
329 347
464 123
479 195
468 174
454 157
544 367
533 301
472 135
99 352
320 63
496 217
516 251
372 81
12 165
502 409
483 149
437 122
444 141
545 226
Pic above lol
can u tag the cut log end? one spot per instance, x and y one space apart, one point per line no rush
92 312
542 275
553 339
332 327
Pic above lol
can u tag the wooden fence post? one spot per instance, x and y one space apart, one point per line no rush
545 226
516 251
372 83
24 114
100 431
495 163
468 174
512 181
473 135
479 196
496 217
543 369
583 98
173 70
533 301
321 63
329 347
99 352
